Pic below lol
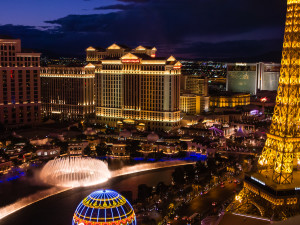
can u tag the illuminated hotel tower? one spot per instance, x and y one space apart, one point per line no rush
274 191
20 93
68 91
135 87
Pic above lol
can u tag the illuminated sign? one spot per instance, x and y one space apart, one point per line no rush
178 65
254 112
241 64
253 178
297 188
263 99
130 60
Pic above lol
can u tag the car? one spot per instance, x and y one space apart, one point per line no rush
176 217
214 203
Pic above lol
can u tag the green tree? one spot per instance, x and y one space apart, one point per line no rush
29 148
161 188
183 145
102 150
16 162
189 172
80 126
4 155
132 147
144 192
87 151
62 145
148 221
178 176
200 167
81 137
181 154
211 164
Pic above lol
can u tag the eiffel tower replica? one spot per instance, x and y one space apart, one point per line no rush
274 191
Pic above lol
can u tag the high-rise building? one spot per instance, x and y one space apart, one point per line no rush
136 87
251 77
268 76
193 104
68 91
274 191
192 84
20 93
242 77
194 94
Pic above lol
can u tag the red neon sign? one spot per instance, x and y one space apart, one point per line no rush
130 60
263 99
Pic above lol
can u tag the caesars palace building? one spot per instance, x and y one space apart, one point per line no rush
134 86
129 86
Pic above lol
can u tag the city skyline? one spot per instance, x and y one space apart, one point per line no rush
180 113
194 29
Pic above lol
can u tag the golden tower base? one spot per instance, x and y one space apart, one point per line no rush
260 196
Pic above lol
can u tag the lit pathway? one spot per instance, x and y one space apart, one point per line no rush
203 204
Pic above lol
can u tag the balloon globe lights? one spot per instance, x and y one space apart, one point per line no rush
104 207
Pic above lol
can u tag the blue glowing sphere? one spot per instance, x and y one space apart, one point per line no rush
104 207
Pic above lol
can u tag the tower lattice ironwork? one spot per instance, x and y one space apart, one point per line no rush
281 150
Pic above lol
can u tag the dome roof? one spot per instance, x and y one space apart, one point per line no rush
153 137
89 131
104 207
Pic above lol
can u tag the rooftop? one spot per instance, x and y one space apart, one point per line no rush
266 178
228 94
28 50
233 218
2 36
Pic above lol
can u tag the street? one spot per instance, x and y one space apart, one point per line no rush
203 204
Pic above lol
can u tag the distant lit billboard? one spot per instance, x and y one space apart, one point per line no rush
242 78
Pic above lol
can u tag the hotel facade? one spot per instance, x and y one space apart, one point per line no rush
194 97
68 91
20 92
133 86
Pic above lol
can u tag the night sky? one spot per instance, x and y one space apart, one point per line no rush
202 29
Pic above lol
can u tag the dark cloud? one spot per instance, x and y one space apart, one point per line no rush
253 50
177 19
116 6
190 28
50 42
136 1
